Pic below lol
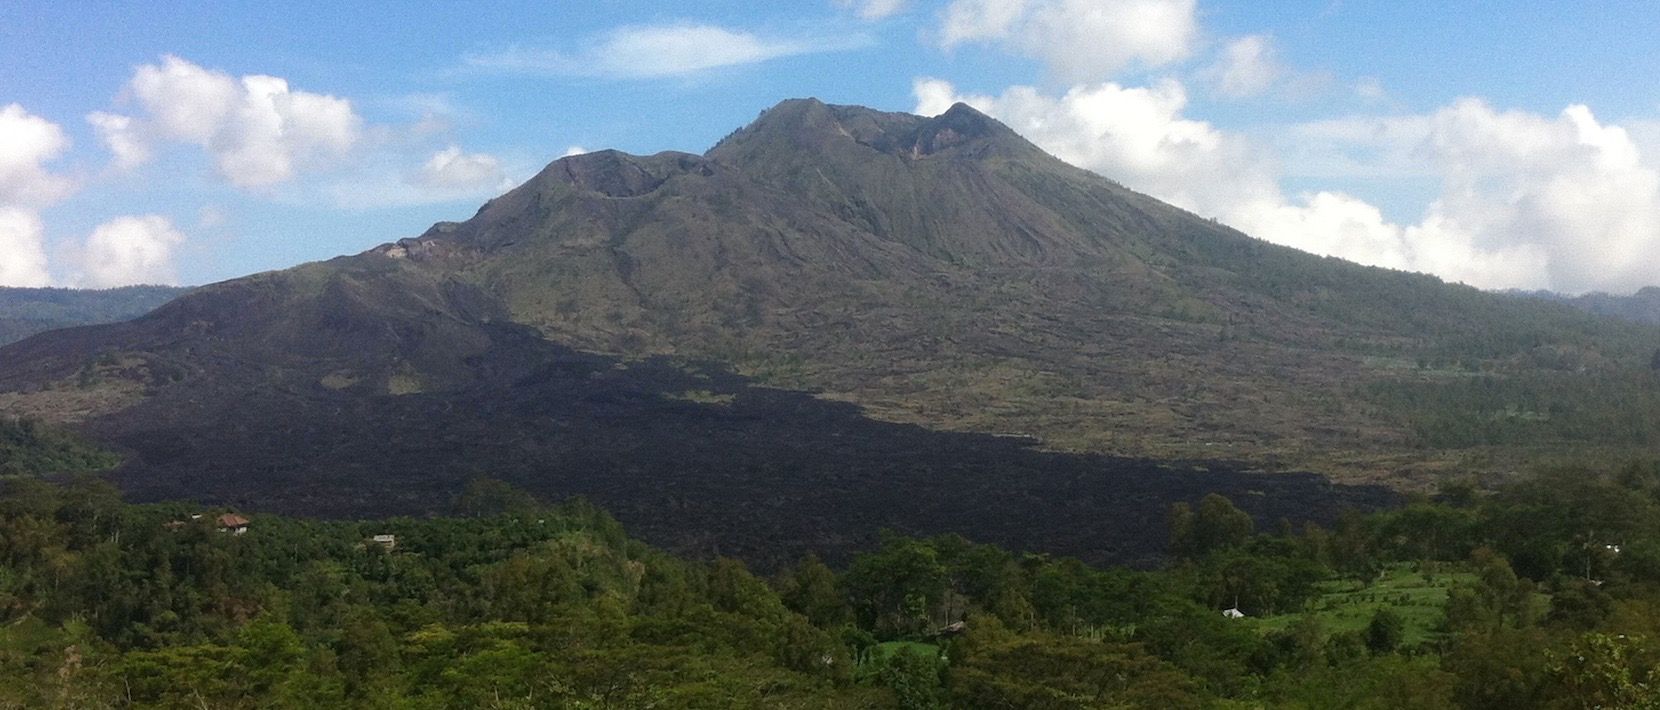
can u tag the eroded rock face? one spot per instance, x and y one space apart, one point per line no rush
958 126
425 248
609 174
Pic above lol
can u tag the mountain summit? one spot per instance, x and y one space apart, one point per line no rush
807 126
938 271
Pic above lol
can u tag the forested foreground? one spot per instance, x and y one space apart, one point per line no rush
1543 594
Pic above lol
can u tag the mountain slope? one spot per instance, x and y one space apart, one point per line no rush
367 385
938 271
947 272
26 311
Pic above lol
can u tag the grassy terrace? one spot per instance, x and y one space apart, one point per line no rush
1417 592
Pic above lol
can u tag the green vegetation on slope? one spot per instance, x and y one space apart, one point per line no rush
26 311
1521 598
30 448
107 604
1414 593
1541 409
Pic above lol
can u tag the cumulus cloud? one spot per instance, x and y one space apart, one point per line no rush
447 175
1079 40
452 169
130 250
657 51
121 136
1136 135
1561 202
1574 196
27 143
873 9
22 249
257 129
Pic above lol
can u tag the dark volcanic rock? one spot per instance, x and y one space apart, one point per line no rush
759 473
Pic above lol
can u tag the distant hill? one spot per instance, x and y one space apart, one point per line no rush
1640 307
26 311
768 342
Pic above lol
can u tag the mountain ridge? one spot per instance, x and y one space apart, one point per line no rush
1641 307
26 311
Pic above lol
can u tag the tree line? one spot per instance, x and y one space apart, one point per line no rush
1551 598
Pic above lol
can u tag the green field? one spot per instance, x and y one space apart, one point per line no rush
1417 593
879 653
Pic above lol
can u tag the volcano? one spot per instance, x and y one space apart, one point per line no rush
836 320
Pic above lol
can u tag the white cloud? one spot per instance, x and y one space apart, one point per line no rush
574 150
873 9
27 143
258 130
1136 135
448 175
130 250
1577 197
22 249
121 136
980 20
1532 201
451 169
658 51
1079 40
1248 66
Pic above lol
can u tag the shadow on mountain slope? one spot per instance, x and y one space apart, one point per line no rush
688 456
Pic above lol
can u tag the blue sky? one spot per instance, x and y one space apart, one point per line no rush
1503 144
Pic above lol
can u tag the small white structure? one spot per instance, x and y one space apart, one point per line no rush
387 541
1233 613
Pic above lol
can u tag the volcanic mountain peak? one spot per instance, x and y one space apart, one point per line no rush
836 190
959 125
812 126
937 270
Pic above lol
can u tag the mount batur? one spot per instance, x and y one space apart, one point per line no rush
839 320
